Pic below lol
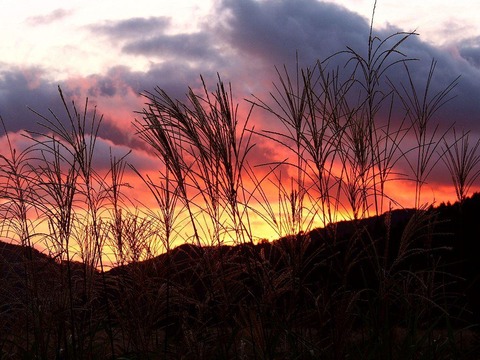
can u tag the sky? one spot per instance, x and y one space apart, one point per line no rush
111 52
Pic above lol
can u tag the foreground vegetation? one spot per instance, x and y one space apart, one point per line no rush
388 284
305 296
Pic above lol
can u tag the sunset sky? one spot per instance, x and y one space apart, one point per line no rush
110 51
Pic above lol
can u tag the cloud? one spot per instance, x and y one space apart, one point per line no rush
26 95
116 94
472 55
56 15
184 46
148 37
22 90
243 41
275 30
454 30
132 28
270 32
469 49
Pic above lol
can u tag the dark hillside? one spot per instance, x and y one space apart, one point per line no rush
35 292
381 271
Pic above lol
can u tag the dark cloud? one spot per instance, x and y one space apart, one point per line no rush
26 96
132 28
22 90
196 46
472 55
273 31
103 87
110 84
173 77
148 38
469 49
276 30
55 15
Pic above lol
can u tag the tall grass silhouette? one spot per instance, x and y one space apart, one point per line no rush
189 278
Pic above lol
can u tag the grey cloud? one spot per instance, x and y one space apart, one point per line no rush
146 37
185 46
472 55
24 90
105 87
272 31
17 95
24 93
132 28
464 108
275 30
106 152
108 85
173 77
55 15
469 49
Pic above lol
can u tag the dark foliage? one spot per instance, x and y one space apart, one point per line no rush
229 300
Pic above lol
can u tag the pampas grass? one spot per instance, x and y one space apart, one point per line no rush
372 287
